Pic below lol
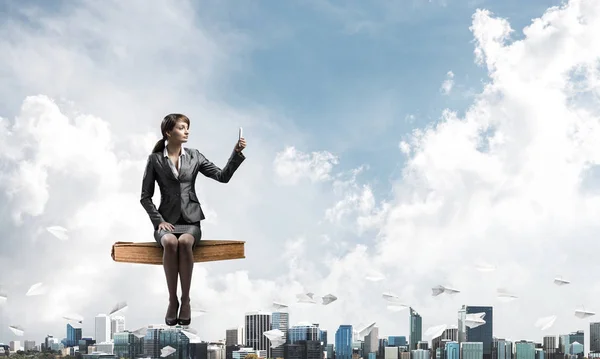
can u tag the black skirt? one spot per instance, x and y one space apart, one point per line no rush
181 227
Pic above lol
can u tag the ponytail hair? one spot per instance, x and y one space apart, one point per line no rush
168 124
159 146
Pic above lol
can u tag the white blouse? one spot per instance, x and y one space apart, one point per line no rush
181 154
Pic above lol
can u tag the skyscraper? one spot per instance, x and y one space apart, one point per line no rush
102 328
235 336
281 321
416 329
343 342
595 337
117 325
471 350
73 335
303 331
481 334
578 337
256 324
549 343
371 342
501 349
452 350
524 350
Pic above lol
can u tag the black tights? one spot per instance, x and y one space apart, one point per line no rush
178 261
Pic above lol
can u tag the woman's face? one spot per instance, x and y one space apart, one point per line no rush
179 133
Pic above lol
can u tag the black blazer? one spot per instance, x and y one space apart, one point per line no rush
177 195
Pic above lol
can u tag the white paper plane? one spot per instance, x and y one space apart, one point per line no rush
59 232
277 342
505 295
560 281
17 330
366 330
374 276
474 320
582 313
274 333
437 290
305 298
120 307
436 331
394 303
37 289
329 298
166 351
545 322
193 338
73 317
276 337
391 298
277 305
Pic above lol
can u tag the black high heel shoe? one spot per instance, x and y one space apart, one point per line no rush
171 322
187 321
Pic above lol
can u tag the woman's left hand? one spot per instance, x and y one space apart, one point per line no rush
240 145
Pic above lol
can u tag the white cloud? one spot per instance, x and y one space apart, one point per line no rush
470 182
502 184
448 83
47 142
292 165
356 208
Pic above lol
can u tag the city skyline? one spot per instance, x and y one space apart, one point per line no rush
478 333
393 147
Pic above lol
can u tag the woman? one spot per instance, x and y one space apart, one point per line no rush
177 220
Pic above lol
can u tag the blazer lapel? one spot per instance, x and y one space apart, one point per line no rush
185 163
165 164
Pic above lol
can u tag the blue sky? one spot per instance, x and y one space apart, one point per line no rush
308 80
352 91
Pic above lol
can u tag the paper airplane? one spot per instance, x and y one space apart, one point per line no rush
277 305
393 302
436 331
276 337
374 276
474 320
73 317
17 330
305 298
582 313
59 232
504 295
193 337
118 308
36 289
366 330
437 290
329 298
545 322
166 351
560 281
